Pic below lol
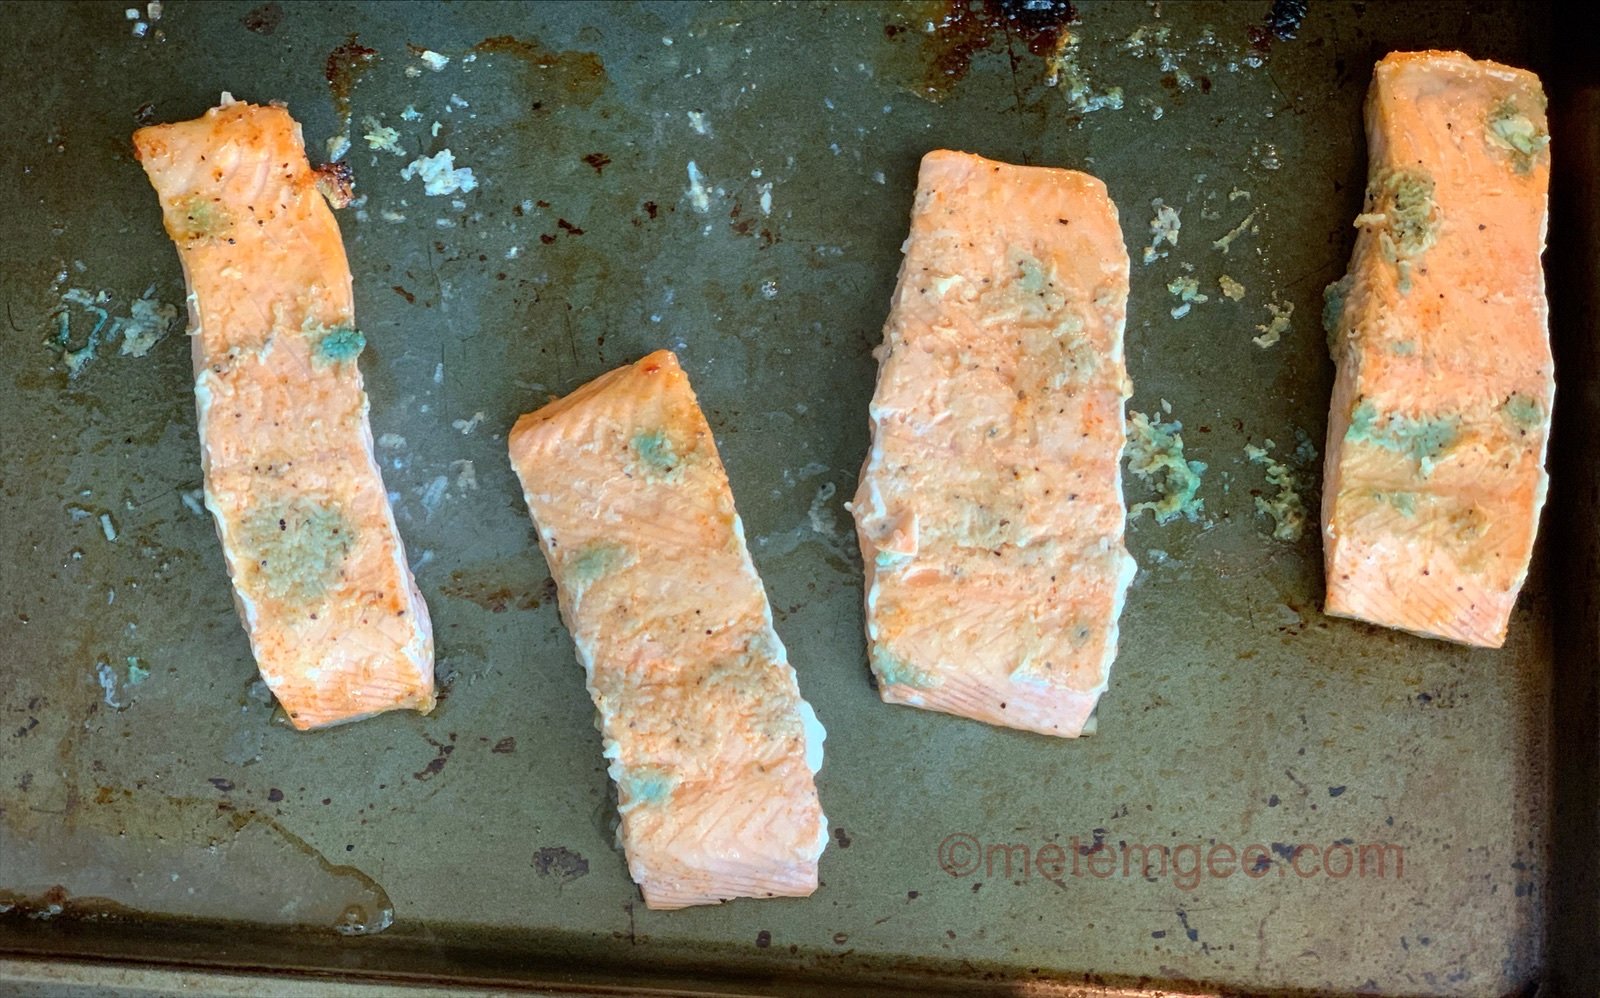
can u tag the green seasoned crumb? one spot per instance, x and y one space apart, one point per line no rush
1512 130
655 453
1287 510
297 547
341 344
1188 291
1226 242
645 785
1424 440
892 670
1333 298
1231 289
1403 502
1523 411
1165 227
1272 330
1405 216
1155 455
200 218
592 562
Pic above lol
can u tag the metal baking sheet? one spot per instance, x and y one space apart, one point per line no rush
155 810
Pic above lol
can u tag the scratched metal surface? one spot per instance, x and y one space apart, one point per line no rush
1237 713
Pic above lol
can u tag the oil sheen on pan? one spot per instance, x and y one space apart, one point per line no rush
711 746
335 620
990 511
1441 406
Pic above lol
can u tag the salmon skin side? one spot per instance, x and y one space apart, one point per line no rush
990 511
335 620
712 749
1441 405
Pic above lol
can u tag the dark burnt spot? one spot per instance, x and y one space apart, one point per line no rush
841 836
763 939
547 238
486 588
969 28
598 160
651 209
560 863
221 783
577 77
344 67
504 746
568 227
274 795
410 298
435 765
145 113
264 20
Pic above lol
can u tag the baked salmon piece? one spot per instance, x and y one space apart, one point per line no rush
712 748
1441 405
320 578
990 511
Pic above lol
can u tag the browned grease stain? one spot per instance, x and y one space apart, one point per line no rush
962 29
489 587
568 76
345 66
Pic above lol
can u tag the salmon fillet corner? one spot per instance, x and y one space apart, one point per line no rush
1445 383
990 511
320 579
712 749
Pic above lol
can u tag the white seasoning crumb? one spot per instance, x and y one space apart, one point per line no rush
666 41
413 72
766 198
438 374
1164 227
410 114
434 60
513 252
139 29
391 216
456 101
698 122
878 177
1226 241
132 13
466 474
338 146
444 223
469 57
439 174
194 501
769 290
382 138
1273 330
152 10
466 426
433 494
435 129
392 441
699 197
107 527
1230 287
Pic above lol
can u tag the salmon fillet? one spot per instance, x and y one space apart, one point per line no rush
990 511
712 748
336 623
1441 405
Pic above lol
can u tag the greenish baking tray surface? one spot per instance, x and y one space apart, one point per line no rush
732 181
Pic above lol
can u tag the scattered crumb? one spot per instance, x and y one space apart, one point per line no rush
194 501
439 174
699 122
1155 454
434 60
107 527
1274 329
391 216
699 196
410 114
466 426
1164 227
1188 291
765 190
1236 194
1226 241
391 441
1231 288
466 475
382 138
1287 510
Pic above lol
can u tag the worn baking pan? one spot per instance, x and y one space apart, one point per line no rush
1344 809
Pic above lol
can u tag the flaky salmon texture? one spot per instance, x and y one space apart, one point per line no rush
335 620
1441 406
712 749
990 511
